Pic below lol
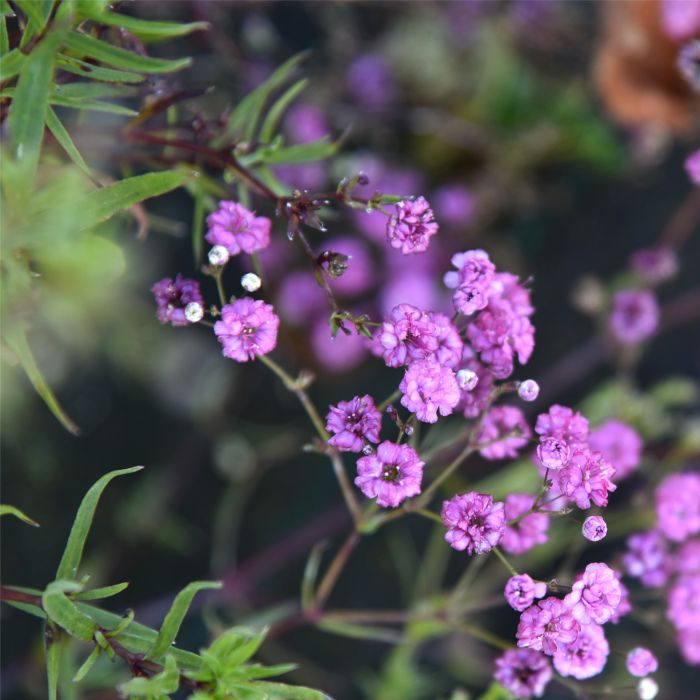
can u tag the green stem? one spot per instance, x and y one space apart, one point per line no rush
504 561
430 515
427 495
334 570
389 399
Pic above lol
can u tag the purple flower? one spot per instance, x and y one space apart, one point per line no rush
687 559
450 346
680 19
585 656
429 388
594 528
454 204
586 479
692 167
391 475
520 591
684 602
528 390
634 316
641 662
238 229
503 432
300 299
689 644
624 607
619 444
655 264
523 672
247 328
595 594
411 227
553 453
342 353
370 81
564 424
359 275
473 521
472 280
306 123
529 530
172 299
476 399
353 423
407 336
547 626
678 506
647 558
688 63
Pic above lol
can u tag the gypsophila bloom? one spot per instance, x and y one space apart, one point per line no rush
655 264
472 280
692 167
634 316
546 626
428 389
173 297
684 602
529 530
687 558
474 522
407 336
218 255
647 689
594 528
584 657
391 475
476 396
194 312
251 282
689 644
553 453
520 591
247 328
450 346
624 607
641 662
595 594
467 379
237 229
528 390
411 227
564 424
678 506
353 423
502 432
619 444
586 479
523 672
647 558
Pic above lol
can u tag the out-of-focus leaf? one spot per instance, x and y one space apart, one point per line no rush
308 583
74 65
80 103
70 561
11 64
104 592
5 9
11 510
675 392
36 10
303 152
54 650
175 616
163 683
94 91
198 221
282 691
496 692
354 631
87 665
27 608
4 37
87 46
61 610
276 112
61 135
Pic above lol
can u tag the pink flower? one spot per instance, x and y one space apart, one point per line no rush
655 264
353 423
680 19
687 558
678 506
411 227
429 388
472 280
391 475
684 602
594 528
547 626
641 662
454 204
172 299
520 591
586 479
619 444
595 594
238 229
692 167
450 346
564 424
523 672
553 453
529 531
634 316
584 657
689 645
503 432
474 522
247 328
624 607
408 335
475 400
647 558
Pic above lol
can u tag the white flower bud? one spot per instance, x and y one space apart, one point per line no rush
218 255
647 689
194 312
467 379
251 282
528 390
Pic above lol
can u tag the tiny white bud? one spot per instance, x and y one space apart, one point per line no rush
647 689
218 255
367 450
194 312
408 429
528 390
251 282
467 379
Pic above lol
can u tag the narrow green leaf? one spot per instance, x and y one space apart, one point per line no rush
60 133
70 64
35 10
163 683
354 631
61 610
251 672
175 616
87 665
4 38
282 691
87 46
11 64
17 340
27 608
147 30
11 510
308 583
303 152
104 592
5 9
276 112
68 567
104 203
94 90
198 222
92 105
236 645
54 650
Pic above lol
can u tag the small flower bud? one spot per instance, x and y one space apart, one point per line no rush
408 430
218 255
528 390
467 379
594 528
367 450
647 689
194 312
251 282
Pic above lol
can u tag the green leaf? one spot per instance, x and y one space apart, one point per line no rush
87 46
94 90
147 30
26 608
5 9
175 616
87 665
282 691
33 10
11 510
60 133
61 610
107 201
11 64
17 341
302 152
354 631
54 650
235 646
496 692
68 567
277 110
92 105
198 221
308 583
104 592
70 64
163 683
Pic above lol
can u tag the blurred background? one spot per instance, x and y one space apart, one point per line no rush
551 134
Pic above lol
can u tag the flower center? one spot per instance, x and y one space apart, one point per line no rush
391 472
